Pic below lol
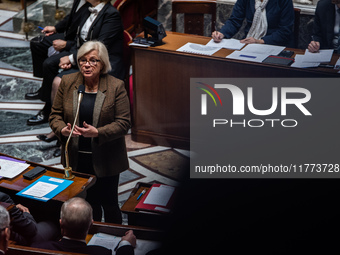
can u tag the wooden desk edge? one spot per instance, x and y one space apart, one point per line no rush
145 233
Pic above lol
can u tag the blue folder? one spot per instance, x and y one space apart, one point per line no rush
61 185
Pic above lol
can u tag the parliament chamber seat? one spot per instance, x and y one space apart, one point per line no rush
133 13
194 12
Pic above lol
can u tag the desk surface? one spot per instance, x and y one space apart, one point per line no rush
80 183
175 40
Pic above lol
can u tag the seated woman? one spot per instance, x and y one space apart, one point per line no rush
105 25
269 22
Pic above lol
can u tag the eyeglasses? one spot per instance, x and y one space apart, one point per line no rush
92 61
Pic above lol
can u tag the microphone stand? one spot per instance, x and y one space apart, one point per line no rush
68 170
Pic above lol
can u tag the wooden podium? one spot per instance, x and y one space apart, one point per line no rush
80 183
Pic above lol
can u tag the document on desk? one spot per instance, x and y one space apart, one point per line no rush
198 49
301 63
159 195
40 189
111 241
247 56
263 49
10 168
45 188
231 44
322 56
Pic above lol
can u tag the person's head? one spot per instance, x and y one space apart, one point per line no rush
75 218
93 59
335 2
4 228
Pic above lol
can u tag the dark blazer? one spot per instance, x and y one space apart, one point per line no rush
73 246
24 227
107 28
323 26
111 116
70 24
280 18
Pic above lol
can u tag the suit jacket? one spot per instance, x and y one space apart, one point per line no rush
107 28
323 26
24 227
280 18
73 246
69 25
111 116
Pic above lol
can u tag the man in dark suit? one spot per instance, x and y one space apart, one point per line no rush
75 222
24 228
62 38
326 26
4 230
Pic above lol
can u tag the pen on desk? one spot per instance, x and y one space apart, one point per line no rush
247 56
141 194
117 246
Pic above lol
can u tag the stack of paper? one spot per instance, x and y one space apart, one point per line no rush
198 49
159 198
256 52
310 59
231 44
45 188
11 168
110 242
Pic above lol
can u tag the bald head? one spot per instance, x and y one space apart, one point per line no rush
76 218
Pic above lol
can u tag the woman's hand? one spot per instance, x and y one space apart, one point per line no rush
314 46
250 40
49 30
217 36
67 130
65 63
87 130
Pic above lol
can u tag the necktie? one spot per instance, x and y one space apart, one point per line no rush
93 10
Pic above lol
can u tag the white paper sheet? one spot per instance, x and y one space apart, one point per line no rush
231 44
300 63
322 56
110 242
198 49
10 169
159 195
263 49
40 189
247 56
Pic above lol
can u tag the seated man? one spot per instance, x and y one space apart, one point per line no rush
4 230
75 222
25 230
326 26
269 22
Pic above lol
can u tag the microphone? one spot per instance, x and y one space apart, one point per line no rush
68 170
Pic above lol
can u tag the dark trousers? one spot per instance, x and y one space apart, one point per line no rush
103 194
46 67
